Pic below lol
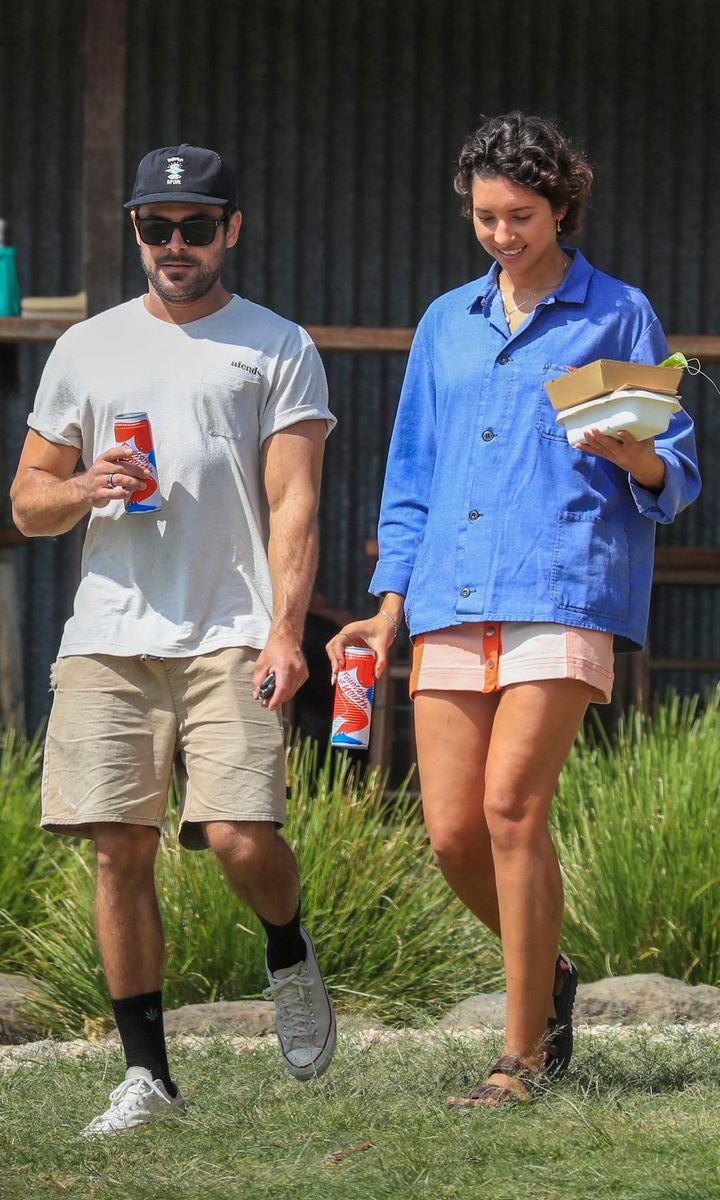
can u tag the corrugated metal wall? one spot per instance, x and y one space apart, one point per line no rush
41 82
343 118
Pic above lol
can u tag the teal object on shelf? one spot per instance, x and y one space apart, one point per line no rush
9 290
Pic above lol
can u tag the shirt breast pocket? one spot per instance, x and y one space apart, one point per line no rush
230 405
545 414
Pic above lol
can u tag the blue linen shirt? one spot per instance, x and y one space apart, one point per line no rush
488 514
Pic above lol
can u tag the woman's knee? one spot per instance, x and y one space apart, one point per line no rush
513 820
461 851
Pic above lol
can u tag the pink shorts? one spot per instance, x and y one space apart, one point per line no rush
488 655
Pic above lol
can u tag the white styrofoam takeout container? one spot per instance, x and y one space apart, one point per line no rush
643 414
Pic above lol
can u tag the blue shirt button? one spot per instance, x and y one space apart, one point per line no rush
473 516
503 359
465 593
488 435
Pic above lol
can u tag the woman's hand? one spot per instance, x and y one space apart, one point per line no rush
377 633
639 459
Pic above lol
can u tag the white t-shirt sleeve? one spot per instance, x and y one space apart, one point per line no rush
56 412
298 393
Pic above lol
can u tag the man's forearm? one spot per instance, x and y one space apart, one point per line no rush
292 556
45 506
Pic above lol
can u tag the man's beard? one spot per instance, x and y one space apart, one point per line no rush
197 285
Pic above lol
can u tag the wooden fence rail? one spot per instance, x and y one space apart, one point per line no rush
347 339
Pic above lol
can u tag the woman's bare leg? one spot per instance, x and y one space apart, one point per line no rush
453 731
488 769
533 731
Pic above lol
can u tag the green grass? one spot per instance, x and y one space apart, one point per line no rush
637 1118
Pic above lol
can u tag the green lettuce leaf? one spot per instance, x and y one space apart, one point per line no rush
677 359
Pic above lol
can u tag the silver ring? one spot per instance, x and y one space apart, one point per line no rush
110 479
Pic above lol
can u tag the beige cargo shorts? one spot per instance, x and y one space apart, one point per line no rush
118 724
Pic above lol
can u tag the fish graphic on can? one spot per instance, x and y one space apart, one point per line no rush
133 430
354 693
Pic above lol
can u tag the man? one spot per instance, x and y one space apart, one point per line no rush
182 613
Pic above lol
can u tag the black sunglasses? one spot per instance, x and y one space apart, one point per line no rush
195 231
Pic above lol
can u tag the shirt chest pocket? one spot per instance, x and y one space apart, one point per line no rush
545 414
231 405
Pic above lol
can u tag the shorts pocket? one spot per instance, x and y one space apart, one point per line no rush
591 566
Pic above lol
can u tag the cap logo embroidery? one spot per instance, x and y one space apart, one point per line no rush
174 170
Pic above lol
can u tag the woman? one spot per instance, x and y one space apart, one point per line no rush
517 560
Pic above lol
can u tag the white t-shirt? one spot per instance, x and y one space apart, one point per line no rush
193 576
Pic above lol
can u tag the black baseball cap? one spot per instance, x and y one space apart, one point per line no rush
183 173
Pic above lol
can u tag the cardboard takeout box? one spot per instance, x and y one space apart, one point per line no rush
606 375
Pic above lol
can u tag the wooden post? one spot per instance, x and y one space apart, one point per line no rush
381 728
104 184
640 679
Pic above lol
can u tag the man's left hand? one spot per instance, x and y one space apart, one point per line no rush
639 459
284 657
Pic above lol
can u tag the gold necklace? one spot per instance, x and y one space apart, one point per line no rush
545 291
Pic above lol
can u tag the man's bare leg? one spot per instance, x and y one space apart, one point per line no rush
129 929
261 869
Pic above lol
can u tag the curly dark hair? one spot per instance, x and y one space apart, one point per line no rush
531 152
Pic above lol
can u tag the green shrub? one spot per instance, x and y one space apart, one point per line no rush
635 823
388 933
28 858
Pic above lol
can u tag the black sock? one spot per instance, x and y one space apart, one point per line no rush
285 944
140 1024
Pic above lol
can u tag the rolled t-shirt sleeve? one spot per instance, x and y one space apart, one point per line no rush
298 392
56 412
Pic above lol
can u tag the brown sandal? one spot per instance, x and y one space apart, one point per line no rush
558 1044
491 1094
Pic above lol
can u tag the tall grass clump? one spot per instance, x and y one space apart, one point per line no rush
634 823
636 827
388 933
28 857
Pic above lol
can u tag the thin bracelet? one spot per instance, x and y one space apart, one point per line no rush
390 618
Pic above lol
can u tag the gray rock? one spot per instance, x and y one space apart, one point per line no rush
624 999
351 1024
248 1018
631 999
15 992
486 1011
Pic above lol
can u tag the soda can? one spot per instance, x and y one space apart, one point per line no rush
133 430
354 693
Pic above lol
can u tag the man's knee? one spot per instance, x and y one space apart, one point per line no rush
242 846
125 850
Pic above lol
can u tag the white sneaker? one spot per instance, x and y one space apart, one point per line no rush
304 1016
138 1100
